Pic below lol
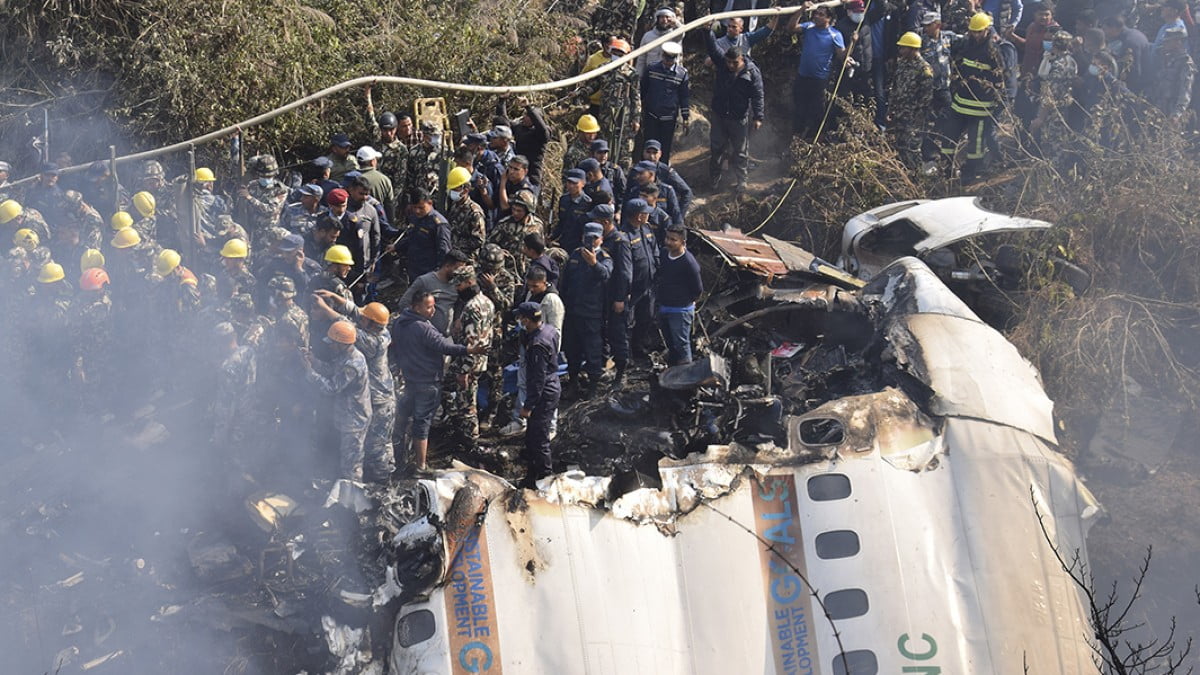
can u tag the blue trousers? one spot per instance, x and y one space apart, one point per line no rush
676 329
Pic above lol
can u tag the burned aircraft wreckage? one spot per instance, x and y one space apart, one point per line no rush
853 477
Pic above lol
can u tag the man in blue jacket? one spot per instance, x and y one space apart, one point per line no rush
583 288
737 106
666 96
428 239
542 389
418 350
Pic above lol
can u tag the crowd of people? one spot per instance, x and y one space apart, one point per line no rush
273 288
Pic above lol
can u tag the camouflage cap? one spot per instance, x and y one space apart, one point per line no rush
1063 39
524 198
152 168
265 165
242 303
492 256
463 274
283 286
274 235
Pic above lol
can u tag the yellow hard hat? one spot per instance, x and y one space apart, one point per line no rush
910 39
339 254
981 21
121 220
166 262
234 248
144 203
10 209
588 124
51 272
91 258
204 175
457 178
126 238
26 239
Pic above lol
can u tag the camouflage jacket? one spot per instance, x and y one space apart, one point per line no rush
615 17
576 152
474 324
425 167
329 281
620 102
264 205
240 281
297 220
90 224
1057 83
1173 88
147 228
468 226
294 322
348 382
509 235
500 290
394 164
235 391
911 91
92 331
374 347
936 52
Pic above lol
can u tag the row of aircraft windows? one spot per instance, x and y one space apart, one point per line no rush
851 602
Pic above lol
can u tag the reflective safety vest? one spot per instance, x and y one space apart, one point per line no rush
978 77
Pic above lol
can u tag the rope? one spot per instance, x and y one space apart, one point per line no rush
449 86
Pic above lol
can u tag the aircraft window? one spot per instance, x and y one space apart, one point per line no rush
897 238
837 544
822 431
857 662
828 486
847 604
415 628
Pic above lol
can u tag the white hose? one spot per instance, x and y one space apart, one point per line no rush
452 86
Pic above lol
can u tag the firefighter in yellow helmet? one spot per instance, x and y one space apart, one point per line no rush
145 208
235 276
175 288
338 262
14 216
587 129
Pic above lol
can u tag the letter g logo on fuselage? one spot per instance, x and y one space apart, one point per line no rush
475 657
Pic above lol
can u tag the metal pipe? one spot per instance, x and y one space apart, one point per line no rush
454 86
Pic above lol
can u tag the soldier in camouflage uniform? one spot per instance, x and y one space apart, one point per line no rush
499 284
586 131
1057 73
909 99
91 329
468 224
26 218
285 315
346 379
263 199
80 214
299 217
958 13
236 378
427 162
615 18
372 340
620 111
1172 89
935 49
509 233
474 325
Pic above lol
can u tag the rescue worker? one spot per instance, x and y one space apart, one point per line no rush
594 183
541 344
516 181
584 282
372 340
263 198
340 160
299 217
288 260
676 289
1057 73
146 222
664 174
235 276
346 379
616 319
644 261
531 134
499 284
362 231
285 314
587 129
979 89
614 174
426 163
92 331
620 111
1171 90
428 239
393 148
573 207
45 195
209 207
338 262
645 173
14 217
468 224
421 362
236 379
175 285
909 99
666 95
325 232
379 185
509 233
474 326
935 49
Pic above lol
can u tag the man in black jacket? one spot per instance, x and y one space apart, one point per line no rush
542 389
737 106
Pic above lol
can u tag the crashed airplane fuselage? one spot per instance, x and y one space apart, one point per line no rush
907 526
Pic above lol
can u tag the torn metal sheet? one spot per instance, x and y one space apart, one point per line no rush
887 423
741 250
798 260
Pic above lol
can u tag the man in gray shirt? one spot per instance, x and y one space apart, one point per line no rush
437 283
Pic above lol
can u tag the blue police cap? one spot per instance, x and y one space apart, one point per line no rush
312 190
638 205
602 212
323 162
340 139
589 164
653 144
593 230
529 310
598 145
576 175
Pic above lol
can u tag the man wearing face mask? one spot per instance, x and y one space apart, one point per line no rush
468 226
1035 41
856 34
426 162
264 198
